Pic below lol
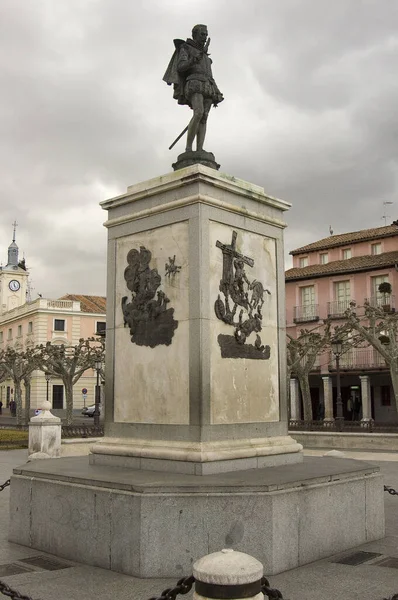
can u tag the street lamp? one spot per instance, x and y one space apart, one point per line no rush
48 377
97 366
337 348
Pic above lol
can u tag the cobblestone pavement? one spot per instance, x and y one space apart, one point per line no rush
321 580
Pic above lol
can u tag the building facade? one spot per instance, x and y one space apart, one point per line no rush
326 277
25 324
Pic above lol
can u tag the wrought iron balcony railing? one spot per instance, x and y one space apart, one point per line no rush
303 314
358 358
386 301
337 308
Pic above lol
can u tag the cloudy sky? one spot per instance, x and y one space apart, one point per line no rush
310 114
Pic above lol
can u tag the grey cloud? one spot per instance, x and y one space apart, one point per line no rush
310 114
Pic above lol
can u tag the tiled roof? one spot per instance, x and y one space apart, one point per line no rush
347 238
88 304
350 265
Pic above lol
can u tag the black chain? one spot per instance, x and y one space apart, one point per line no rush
183 586
7 591
390 490
268 591
5 484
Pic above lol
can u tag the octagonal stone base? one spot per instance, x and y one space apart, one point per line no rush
151 524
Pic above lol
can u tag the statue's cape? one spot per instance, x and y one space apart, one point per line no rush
172 76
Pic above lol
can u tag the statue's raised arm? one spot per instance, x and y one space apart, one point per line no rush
190 73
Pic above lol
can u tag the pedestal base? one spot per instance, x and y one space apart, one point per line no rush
150 524
194 157
201 458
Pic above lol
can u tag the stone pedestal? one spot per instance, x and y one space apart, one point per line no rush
195 370
44 434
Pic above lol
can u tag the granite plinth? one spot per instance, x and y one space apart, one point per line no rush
151 524
201 458
196 157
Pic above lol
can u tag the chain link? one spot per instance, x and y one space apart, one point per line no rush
183 586
390 490
5 484
268 591
7 591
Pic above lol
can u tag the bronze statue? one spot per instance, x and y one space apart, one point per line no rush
190 73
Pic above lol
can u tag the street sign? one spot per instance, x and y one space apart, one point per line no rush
84 391
84 396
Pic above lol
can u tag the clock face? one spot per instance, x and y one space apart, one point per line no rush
14 285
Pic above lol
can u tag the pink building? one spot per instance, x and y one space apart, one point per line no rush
326 276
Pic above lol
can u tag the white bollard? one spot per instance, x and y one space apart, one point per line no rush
228 574
44 434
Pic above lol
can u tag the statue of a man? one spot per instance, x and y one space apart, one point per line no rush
190 72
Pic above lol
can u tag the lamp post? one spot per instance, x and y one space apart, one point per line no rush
97 366
48 377
337 346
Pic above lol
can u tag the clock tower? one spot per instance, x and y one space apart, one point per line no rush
13 279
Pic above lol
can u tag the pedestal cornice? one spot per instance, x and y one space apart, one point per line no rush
206 179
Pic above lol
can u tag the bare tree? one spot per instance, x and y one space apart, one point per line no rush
68 363
378 328
19 366
302 353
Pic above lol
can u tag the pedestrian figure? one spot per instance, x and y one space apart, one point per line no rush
1 407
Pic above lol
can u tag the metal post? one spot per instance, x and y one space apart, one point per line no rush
48 377
339 403
97 399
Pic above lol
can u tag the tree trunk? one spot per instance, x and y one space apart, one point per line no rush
306 395
69 400
27 401
18 400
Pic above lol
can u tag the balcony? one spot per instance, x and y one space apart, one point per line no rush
306 314
358 359
386 301
337 308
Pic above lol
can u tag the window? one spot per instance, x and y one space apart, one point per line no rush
30 326
307 295
303 262
100 327
376 248
385 395
19 330
59 324
1 337
324 258
308 309
10 334
342 291
347 253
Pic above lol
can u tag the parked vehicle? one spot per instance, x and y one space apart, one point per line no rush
88 411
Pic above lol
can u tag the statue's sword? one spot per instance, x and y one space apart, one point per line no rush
179 137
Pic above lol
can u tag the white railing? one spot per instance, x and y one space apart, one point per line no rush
42 304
